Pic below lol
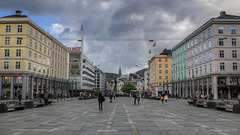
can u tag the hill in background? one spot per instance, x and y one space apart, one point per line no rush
111 76
141 72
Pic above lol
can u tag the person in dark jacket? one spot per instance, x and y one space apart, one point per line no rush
111 96
101 99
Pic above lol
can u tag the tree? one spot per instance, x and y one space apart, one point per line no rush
127 87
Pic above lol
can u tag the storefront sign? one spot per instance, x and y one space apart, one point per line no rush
74 49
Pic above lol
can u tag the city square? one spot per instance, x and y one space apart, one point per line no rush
122 117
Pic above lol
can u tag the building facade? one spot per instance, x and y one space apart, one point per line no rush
32 62
160 73
100 80
207 61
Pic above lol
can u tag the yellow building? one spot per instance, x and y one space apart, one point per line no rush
160 73
32 62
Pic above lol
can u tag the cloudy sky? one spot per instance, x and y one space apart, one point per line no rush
117 32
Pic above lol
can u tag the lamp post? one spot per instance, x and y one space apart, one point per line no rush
81 59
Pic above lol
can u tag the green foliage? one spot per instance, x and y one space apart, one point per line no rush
127 87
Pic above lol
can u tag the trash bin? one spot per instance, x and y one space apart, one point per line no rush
45 101
3 108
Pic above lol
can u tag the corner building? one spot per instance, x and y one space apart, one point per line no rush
207 61
32 62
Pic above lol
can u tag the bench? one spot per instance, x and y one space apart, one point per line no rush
14 105
80 98
38 103
228 106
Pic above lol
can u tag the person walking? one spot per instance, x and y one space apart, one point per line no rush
138 99
111 96
20 97
162 98
134 98
239 98
166 98
222 97
101 99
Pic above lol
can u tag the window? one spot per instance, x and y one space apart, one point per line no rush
204 46
196 61
192 52
221 53
48 52
199 38
166 65
200 49
19 28
160 60
166 71
7 40
44 70
222 66
195 41
48 62
8 28
40 48
192 62
188 45
205 57
235 66
48 71
233 30
45 40
29 66
160 77
40 37
6 65
196 71
203 35
234 42
220 30
210 67
7 51
31 31
191 42
30 54
160 71
209 32
18 65
209 44
166 77
19 40
166 60
40 58
200 70
39 69
160 65
221 42
44 60
200 59
18 52
35 68
44 50
160 83
188 54
234 53
48 42
205 68
36 34
210 55
30 42
35 56
195 50
36 45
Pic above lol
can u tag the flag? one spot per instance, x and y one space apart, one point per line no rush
149 51
154 44
152 87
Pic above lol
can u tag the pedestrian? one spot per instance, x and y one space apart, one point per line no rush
222 97
111 96
138 99
162 98
19 97
166 98
239 98
134 98
211 96
101 99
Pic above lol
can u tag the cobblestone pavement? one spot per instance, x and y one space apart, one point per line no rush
151 117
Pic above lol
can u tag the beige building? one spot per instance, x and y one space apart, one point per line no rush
32 62
212 59
160 73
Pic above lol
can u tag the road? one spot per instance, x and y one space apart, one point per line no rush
151 117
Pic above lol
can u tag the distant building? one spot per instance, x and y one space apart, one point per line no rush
100 80
160 73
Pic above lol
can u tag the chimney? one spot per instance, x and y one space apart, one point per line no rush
222 13
18 12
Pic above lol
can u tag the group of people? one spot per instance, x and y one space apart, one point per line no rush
136 98
164 97
101 99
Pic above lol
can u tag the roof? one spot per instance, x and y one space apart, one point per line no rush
166 52
226 16
18 14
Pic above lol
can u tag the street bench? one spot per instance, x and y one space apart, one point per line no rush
14 105
228 106
38 103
